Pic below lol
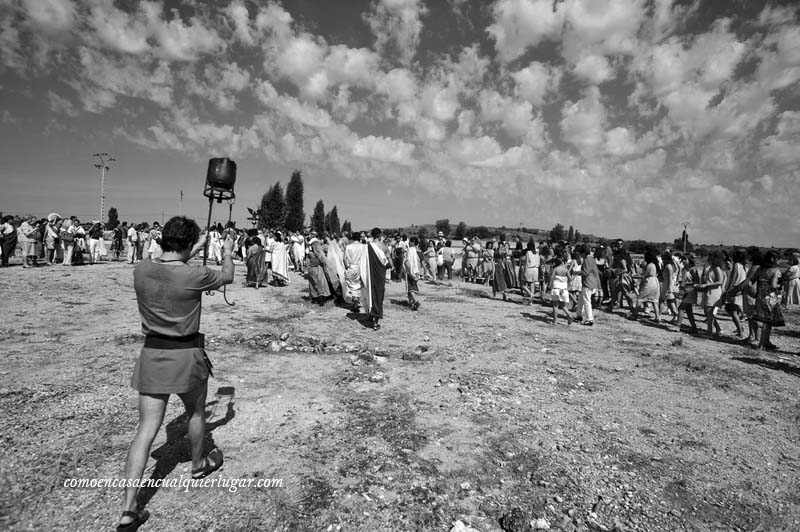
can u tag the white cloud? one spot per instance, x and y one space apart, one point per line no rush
536 81
61 105
781 149
474 151
594 68
384 149
620 142
10 56
50 16
178 41
119 30
238 13
440 103
301 58
582 122
399 84
776 15
103 77
519 24
353 66
668 15
397 25
608 26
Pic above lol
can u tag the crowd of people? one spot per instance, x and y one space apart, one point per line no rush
352 270
575 280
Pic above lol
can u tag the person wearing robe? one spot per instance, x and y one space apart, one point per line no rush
429 257
335 269
353 255
373 276
531 263
791 283
298 252
412 271
505 277
8 239
267 240
26 235
472 253
280 261
318 287
214 244
256 266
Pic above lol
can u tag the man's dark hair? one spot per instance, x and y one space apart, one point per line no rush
376 232
413 241
179 234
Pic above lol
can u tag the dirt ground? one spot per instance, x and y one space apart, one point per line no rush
456 414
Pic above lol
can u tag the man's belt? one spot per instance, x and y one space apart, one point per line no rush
161 341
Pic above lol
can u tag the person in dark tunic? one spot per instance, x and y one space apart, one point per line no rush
318 287
256 265
173 360
8 239
373 276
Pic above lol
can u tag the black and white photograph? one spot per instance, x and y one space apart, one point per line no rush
400 265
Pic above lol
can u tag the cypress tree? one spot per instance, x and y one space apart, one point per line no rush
276 207
295 215
318 218
334 227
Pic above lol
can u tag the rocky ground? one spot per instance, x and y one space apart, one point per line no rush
470 414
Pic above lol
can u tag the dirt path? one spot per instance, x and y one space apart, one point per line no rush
462 411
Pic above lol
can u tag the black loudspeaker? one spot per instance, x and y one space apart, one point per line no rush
220 179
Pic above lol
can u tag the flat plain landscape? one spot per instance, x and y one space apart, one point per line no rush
471 412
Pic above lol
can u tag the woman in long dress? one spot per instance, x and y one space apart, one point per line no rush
710 286
486 263
298 252
532 263
649 287
768 309
429 259
575 281
734 298
256 265
791 284
26 234
280 261
690 277
317 282
214 244
669 284
504 276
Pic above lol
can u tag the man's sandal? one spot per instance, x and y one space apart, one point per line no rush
139 519
211 463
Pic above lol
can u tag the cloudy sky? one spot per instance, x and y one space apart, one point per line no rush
620 117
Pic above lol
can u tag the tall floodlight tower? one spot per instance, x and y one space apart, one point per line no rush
104 166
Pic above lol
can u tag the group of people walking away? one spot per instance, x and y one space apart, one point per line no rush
747 285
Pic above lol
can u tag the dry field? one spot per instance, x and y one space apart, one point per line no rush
471 410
